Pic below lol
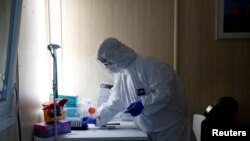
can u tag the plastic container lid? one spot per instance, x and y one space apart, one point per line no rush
91 110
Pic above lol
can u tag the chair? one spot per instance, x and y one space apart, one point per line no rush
218 115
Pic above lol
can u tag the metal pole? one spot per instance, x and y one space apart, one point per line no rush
52 48
55 90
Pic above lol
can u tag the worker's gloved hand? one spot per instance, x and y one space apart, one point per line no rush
89 120
135 108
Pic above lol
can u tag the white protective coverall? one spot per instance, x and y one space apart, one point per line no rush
164 117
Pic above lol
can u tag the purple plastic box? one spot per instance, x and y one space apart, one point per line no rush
46 129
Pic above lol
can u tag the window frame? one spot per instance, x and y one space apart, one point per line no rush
8 102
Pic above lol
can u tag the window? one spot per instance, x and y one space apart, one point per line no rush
9 26
5 6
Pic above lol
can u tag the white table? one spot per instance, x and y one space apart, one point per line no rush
120 133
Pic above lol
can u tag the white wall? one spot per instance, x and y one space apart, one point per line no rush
34 64
144 25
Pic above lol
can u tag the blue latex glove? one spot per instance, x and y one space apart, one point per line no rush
135 108
89 120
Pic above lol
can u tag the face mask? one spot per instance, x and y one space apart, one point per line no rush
113 68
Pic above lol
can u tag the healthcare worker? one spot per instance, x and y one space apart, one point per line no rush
146 88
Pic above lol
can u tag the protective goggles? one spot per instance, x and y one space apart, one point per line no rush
103 60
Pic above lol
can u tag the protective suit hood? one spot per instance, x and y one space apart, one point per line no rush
114 51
